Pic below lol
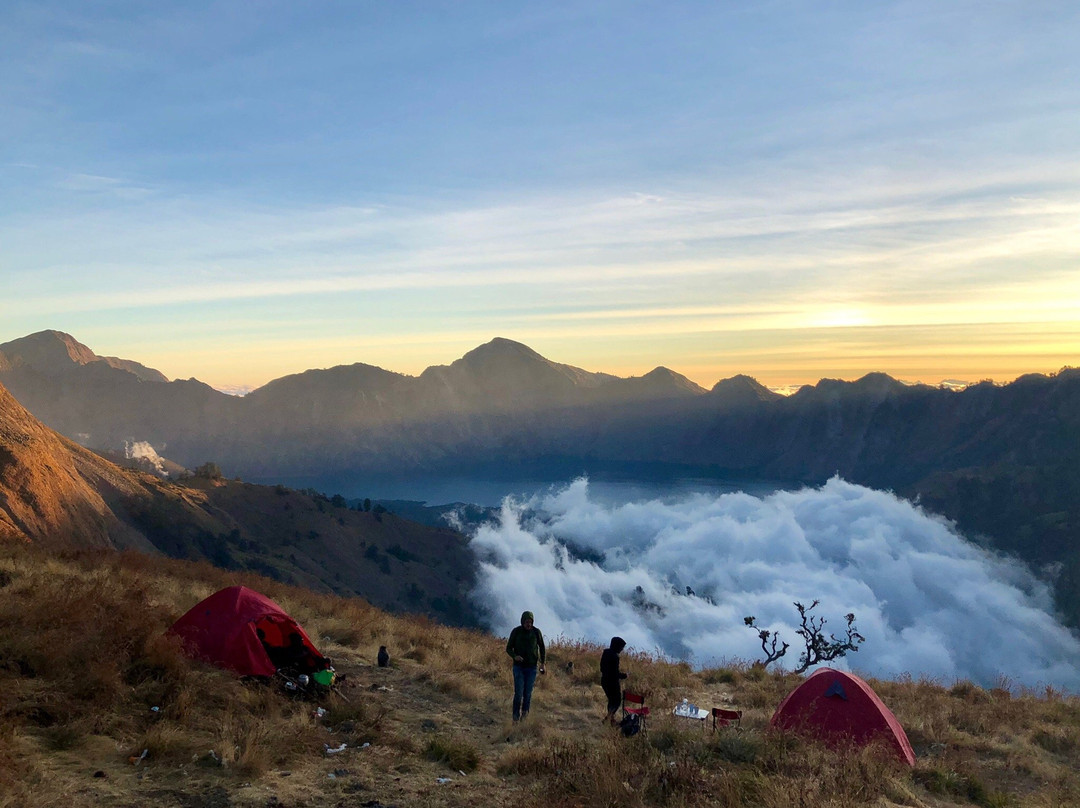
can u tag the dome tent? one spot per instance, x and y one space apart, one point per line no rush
223 630
837 706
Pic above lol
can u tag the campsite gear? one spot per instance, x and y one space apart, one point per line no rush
691 711
633 704
722 717
839 707
224 630
311 688
631 725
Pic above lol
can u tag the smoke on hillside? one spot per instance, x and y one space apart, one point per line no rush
928 602
141 450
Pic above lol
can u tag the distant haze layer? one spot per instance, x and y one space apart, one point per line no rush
928 602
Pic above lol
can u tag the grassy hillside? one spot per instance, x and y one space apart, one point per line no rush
83 661
308 539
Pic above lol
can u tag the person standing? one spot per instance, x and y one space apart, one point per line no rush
526 647
610 676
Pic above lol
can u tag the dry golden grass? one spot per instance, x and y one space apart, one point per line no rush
84 659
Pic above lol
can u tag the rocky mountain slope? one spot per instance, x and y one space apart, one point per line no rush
57 494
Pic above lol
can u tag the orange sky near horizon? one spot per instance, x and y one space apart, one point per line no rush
928 355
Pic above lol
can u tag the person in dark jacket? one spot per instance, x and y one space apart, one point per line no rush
298 658
275 653
610 676
384 657
526 648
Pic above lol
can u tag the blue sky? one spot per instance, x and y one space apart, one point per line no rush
236 191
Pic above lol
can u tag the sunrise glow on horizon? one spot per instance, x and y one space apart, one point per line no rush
235 193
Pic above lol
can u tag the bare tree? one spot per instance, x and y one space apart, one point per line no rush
769 648
819 647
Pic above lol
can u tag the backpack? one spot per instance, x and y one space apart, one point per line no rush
630 725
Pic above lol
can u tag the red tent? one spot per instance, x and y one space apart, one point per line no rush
222 630
839 706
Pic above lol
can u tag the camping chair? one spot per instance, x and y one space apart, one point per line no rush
725 718
634 704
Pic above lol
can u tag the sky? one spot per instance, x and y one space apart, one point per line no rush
235 191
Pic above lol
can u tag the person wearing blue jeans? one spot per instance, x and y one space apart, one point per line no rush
526 648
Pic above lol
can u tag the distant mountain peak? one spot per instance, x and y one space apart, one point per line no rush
879 382
340 380
49 349
742 389
666 380
875 384
504 374
507 358
501 348
661 372
53 352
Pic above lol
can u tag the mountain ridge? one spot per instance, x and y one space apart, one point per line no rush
999 460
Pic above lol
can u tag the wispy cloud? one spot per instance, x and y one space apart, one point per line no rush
96 184
868 249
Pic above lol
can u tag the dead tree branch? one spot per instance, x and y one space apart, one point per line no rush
819 646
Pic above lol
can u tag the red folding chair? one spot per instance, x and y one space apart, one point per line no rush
634 704
725 718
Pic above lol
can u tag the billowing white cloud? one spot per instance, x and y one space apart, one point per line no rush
928 602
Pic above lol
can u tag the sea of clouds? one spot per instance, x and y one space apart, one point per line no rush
929 603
